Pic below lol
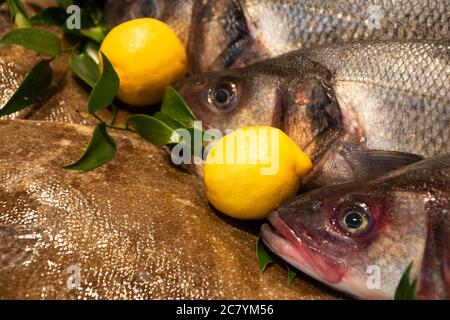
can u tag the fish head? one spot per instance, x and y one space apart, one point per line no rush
292 97
216 33
356 238
230 99
176 13
236 33
221 37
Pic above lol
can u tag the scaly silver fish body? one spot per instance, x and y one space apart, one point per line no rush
230 33
360 237
381 82
339 102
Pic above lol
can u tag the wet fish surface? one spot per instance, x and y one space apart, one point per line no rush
358 105
346 235
136 228
229 33
66 98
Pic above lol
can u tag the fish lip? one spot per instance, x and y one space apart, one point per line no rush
284 242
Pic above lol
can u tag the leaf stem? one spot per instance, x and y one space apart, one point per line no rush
118 128
97 117
70 48
111 126
114 115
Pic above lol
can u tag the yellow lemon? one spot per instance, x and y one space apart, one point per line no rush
252 170
147 56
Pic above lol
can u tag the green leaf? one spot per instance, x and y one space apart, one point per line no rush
93 25
291 275
405 289
94 33
40 41
153 130
50 16
97 33
92 49
18 14
105 89
93 10
264 258
32 87
84 67
168 120
174 106
65 3
100 150
115 110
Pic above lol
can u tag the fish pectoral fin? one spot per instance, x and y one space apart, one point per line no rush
370 163
350 162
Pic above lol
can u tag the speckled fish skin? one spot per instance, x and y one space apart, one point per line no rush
230 33
137 228
392 96
66 99
409 221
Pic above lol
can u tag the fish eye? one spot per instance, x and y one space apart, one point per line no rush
149 8
355 219
223 96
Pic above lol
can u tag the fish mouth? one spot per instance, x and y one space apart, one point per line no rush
282 240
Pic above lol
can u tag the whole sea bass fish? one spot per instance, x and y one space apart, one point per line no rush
227 33
360 237
339 103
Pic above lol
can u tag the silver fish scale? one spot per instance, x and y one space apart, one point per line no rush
318 22
412 79
418 68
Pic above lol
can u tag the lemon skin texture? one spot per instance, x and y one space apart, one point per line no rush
240 189
147 56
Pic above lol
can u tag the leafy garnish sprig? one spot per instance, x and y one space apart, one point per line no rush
44 42
266 257
18 14
406 290
159 129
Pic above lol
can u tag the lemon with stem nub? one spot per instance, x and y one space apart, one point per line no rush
147 56
251 171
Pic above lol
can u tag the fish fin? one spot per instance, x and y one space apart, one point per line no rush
434 281
370 163
350 162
